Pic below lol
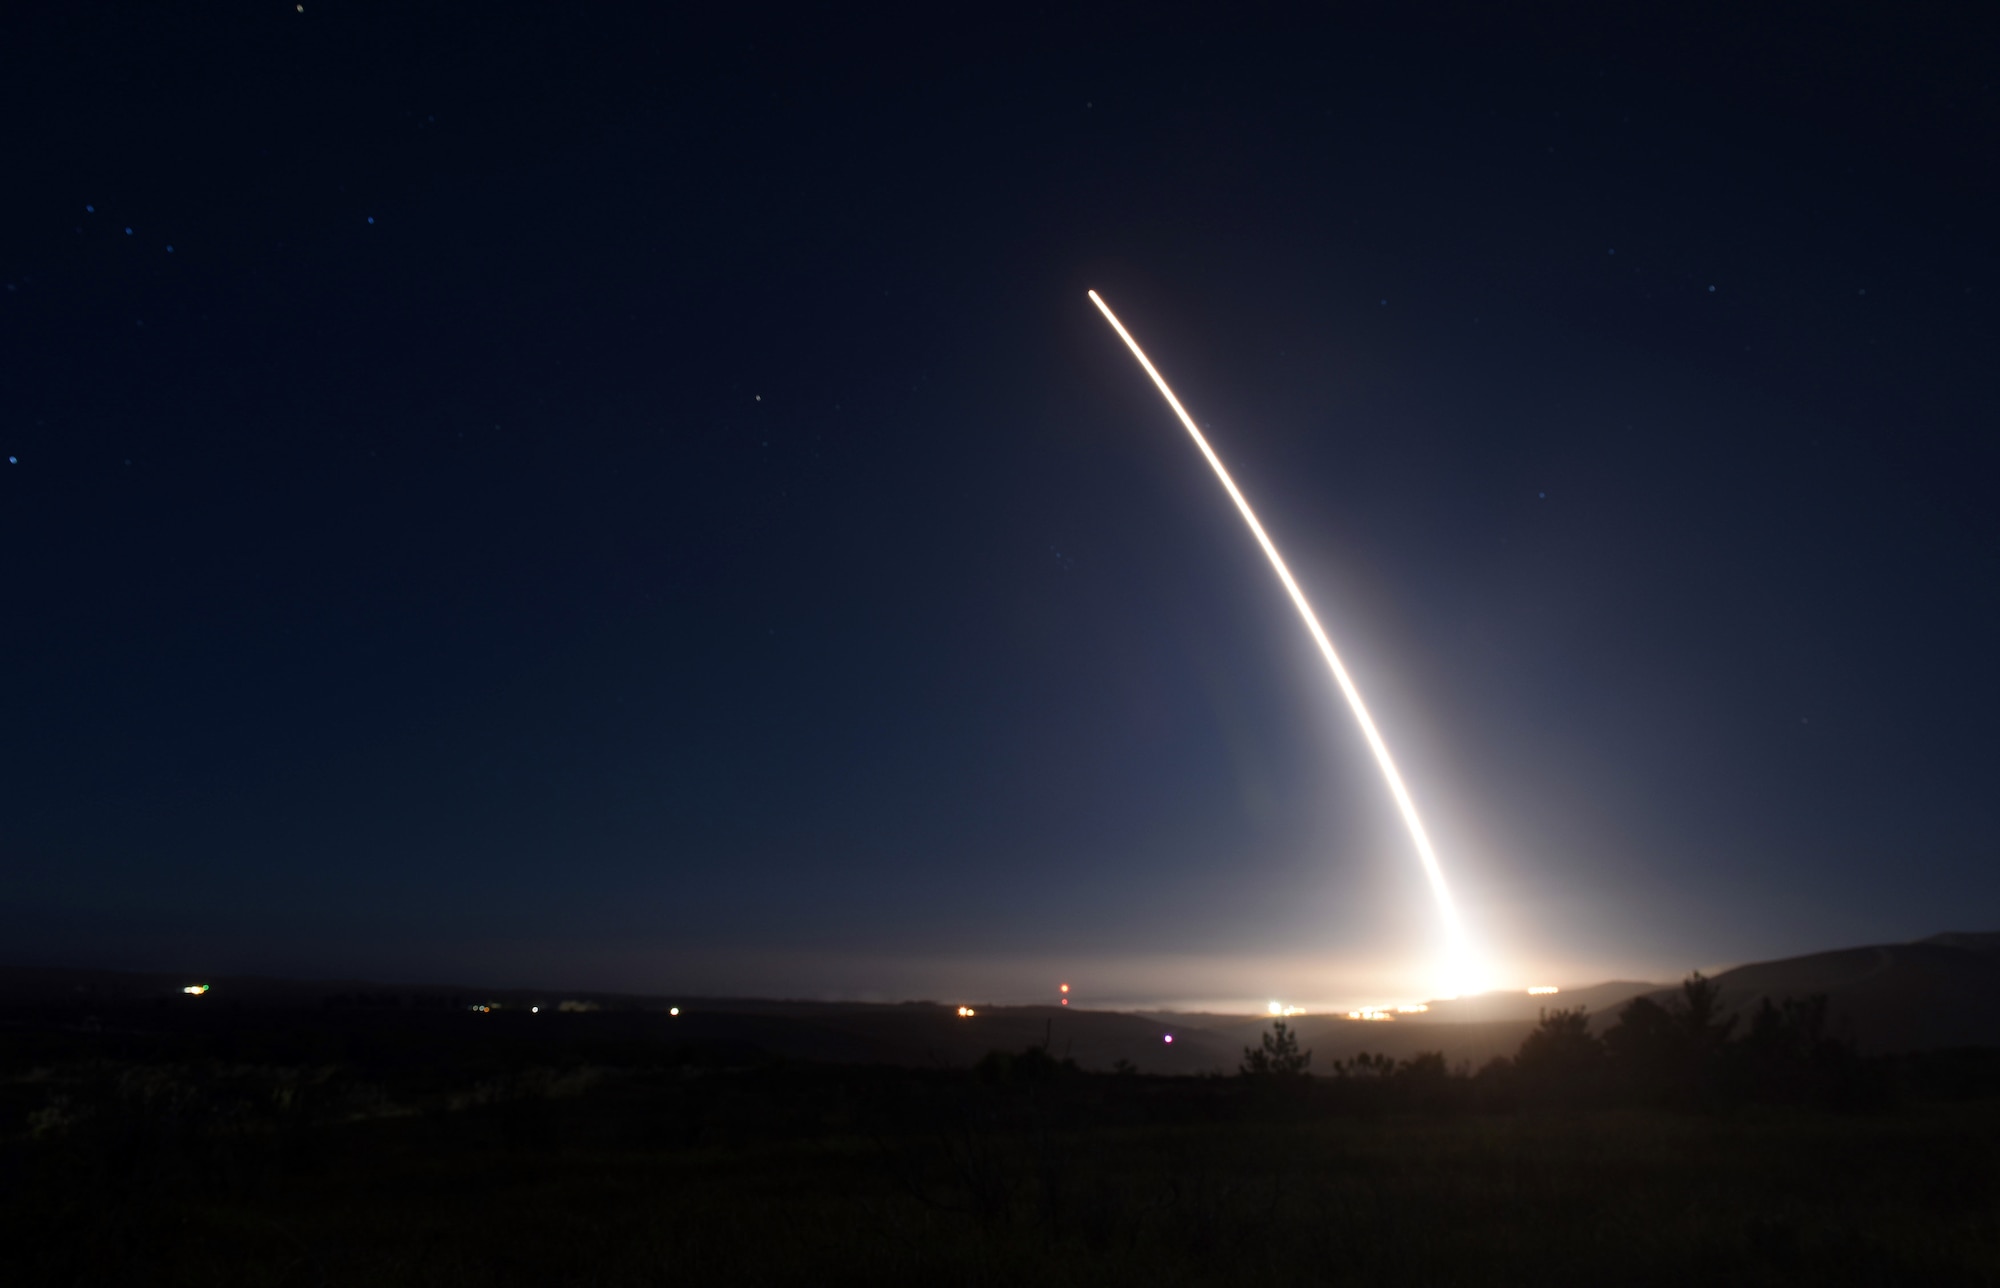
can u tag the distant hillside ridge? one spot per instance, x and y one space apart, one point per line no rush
1935 993
1987 941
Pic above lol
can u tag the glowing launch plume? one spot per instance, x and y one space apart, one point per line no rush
1464 975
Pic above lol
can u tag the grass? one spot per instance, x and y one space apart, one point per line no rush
179 1175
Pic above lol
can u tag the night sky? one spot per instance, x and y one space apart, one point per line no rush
613 497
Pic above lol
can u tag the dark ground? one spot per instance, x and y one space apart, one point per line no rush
348 1146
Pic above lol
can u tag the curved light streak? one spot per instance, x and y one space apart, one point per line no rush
1464 974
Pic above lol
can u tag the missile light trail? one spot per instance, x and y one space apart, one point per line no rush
1464 975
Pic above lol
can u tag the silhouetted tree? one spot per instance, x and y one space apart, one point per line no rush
1494 1087
1365 1066
1423 1067
1676 1052
1278 1057
1561 1060
1424 1082
1788 1058
1784 1038
1701 1013
1644 1047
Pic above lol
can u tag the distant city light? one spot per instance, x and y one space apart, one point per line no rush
673 1010
1543 990
1065 988
534 1010
1279 1008
195 990
1275 1009
1170 1037
965 1012
1387 1012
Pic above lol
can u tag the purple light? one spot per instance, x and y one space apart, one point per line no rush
1170 1037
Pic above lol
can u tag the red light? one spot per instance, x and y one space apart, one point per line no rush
1065 1001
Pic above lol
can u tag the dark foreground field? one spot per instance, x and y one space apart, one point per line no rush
135 1159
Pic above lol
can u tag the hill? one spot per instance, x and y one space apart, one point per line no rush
1939 992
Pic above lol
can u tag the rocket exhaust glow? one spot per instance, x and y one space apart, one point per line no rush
1464 975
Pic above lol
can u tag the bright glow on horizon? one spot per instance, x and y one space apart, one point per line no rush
1462 972
965 1012
1543 990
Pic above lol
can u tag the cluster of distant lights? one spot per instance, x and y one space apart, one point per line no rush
1379 1013
1386 1012
487 1008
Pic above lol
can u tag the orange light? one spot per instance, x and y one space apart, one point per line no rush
1065 988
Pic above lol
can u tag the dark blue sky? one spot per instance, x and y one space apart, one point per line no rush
641 501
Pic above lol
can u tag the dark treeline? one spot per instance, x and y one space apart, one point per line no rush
1686 1053
1689 1053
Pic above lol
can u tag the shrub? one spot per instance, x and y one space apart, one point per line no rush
1278 1057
